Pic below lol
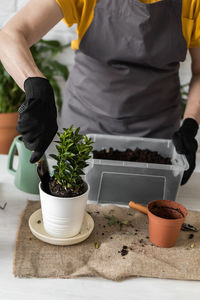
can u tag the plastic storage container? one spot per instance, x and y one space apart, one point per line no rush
119 182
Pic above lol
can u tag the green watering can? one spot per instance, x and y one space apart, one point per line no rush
25 176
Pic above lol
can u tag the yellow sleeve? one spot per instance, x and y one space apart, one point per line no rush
69 10
195 37
191 22
80 12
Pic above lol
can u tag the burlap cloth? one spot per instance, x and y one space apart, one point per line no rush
100 255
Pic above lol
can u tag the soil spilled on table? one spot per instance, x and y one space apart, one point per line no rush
124 250
137 155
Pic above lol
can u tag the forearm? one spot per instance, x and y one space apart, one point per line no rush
193 103
16 57
27 27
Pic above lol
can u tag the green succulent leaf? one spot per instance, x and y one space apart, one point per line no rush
54 156
74 150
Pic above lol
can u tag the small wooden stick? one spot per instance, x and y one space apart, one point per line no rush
138 207
43 173
39 161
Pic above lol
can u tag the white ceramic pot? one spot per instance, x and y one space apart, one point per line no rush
63 217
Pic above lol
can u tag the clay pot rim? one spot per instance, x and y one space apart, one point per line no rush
182 208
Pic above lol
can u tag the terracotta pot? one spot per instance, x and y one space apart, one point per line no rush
165 220
8 123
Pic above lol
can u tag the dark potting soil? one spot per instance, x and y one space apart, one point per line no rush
190 236
166 212
136 155
57 190
124 250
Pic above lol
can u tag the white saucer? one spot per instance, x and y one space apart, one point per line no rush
38 231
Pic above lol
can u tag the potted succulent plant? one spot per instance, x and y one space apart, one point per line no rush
63 205
11 96
166 218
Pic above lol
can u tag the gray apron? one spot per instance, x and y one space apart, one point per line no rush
125 79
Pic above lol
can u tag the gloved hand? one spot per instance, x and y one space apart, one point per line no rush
185 143
37 116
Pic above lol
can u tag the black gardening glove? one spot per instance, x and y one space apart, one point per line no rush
185 143
37 116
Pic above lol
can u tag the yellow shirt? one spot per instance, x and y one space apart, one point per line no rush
81 12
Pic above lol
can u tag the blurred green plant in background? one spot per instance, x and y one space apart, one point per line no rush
44 53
